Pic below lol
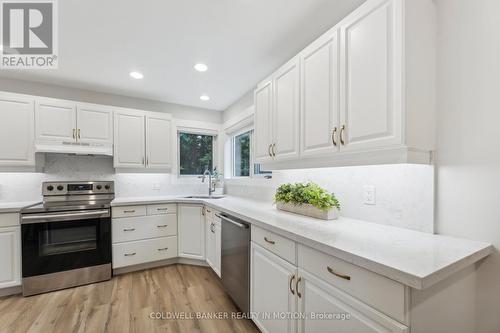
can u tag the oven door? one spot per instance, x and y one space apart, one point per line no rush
55 242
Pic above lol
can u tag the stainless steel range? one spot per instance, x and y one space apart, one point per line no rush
66 239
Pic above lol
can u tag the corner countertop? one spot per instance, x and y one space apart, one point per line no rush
15 207
415 259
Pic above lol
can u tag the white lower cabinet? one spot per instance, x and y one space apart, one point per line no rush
325 308
289 297
272 291
143 234
10 256
213 240
191 227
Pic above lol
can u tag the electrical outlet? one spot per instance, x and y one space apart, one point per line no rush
369 195
156 186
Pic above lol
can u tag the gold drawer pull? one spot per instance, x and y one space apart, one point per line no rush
162 226
129 211
297 287
342 276
129 254
163 249
129 229
291 284
161 209
269 241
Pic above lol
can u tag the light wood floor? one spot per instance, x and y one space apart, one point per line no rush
125 303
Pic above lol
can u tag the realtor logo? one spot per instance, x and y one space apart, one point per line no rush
28 35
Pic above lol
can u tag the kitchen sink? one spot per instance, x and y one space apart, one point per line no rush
204 197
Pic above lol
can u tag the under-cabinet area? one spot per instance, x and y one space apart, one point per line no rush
278 166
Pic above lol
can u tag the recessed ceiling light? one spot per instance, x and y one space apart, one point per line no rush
136 75
201 67
204 98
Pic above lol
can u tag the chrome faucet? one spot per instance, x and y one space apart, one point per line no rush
209 174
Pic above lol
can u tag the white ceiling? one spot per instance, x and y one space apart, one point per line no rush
241 41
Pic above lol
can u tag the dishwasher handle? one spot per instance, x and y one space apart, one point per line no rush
226 218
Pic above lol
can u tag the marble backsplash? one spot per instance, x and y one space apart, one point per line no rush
404 193
26 186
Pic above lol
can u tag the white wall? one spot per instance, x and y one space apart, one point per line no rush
47 90
468 172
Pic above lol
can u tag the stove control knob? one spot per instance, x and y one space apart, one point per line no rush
50 188
60 188
99 187
107 187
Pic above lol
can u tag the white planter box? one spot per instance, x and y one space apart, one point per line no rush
308 210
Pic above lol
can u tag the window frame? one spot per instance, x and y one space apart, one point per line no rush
252 173
211 133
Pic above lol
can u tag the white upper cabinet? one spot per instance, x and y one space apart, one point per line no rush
55 120
142 139
285 115
320 96
371 75
367 93
130 145
17 130
158 141
95 123
263 113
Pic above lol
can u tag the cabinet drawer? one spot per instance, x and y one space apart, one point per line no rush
384 294
161 209
143 227
279 245
138 252
128 211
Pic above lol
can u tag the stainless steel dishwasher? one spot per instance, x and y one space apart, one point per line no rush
235 264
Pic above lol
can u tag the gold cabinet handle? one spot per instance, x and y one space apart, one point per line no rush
269 151
129 229
129 211
74 133
163 249
342 276
162 226
129 254
342 130
269 241
203 211
272 149
297 287
78 133
162 209
334 132
291 284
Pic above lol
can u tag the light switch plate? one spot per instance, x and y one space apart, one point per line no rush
369 195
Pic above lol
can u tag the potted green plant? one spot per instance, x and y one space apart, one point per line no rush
307 199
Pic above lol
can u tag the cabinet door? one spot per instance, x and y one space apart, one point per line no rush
55 120
319 96
371 62
348 314
17 119
218 247
95 124
191 232
10 256
129 140
285 119
271 286
210 241
262 122
158 141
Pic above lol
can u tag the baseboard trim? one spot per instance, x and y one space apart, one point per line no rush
11 291
160 263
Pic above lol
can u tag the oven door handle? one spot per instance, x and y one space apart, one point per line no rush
82 215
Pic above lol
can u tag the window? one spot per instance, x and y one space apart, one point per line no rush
242 162
196 153
241 153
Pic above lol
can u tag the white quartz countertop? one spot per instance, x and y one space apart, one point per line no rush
15 207
413 258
